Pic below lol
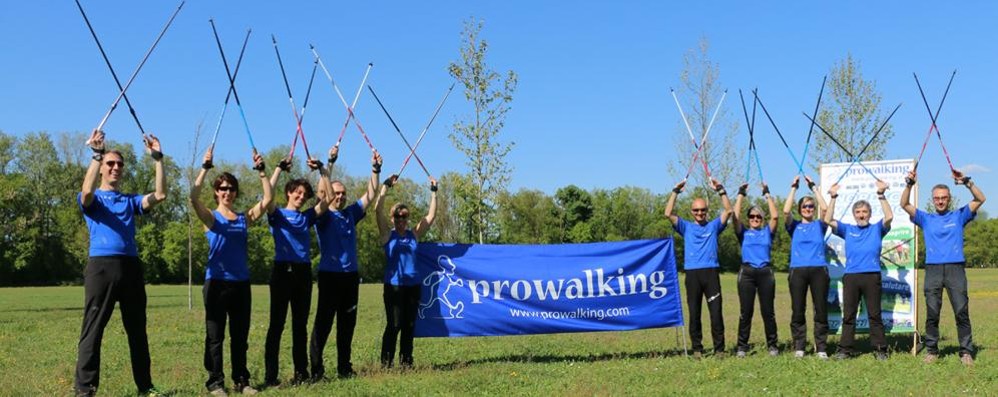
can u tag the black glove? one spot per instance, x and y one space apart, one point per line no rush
156 155
390 181
260 167
433 187
376 168
908 181
284 165
207 165
765 190
743 190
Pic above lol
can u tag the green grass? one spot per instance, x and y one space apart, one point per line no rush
39 328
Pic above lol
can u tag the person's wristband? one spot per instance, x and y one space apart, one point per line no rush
156 155
743 191
376 168
284 165
969 184
765 190
909 182
722 192
320 166
98 157
881 197
834 196
388 182
98 151
433 188
677 190
207 165
965 180
811 185
260 167
331 159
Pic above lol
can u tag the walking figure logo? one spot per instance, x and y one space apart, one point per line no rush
443 278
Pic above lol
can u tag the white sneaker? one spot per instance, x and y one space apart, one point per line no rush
799 354
822 356
741 354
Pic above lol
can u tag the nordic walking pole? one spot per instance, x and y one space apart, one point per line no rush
856 158
291 99
934 118
693 139
703 139
349 108
232 85
773 123
423 133
810 131
407 144
225 105
138 68
301 116
111 68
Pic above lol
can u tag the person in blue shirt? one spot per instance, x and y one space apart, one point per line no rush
755 276
114 273
291 276
338 279
700 263
862 278
227 280
944 260
808 268
402 287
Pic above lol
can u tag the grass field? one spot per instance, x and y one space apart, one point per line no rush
39 328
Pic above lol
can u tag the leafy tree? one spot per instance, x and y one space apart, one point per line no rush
529 217
852 116
477 137
577 209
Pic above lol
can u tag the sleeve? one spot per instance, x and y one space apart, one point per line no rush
883 229
791 227
310 217
680 226
966 215
841 230
136 202
720 226
918 218
357 210
271 217
79 202
218 226
740 234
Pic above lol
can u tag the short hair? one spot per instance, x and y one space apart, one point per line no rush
225 177
756 208
294 184
117 152
861 203
397 209
801 201
941 186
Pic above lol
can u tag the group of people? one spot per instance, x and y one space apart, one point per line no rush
114 274
943 231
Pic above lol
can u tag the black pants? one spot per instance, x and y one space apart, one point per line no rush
337 297
106 280
226 299
867 286
290 284
816 279
401 303
700 284
953 279
751 282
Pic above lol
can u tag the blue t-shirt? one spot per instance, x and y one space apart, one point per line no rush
944 234
227 249
756 244
807 243
337 232
862 246
292 237
699 243
401 254
111 221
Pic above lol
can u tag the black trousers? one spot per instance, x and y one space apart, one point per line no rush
867 286
700 284
953 279
337 297
231 300
290 285
401 304
816 279
754 282
107 280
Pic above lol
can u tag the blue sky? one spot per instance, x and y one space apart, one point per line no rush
592 107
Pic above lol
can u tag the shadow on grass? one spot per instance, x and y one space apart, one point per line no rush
552 358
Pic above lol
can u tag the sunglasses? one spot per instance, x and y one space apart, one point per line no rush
401 217
112 164
699 210
226 189
940 198
755 216
808 206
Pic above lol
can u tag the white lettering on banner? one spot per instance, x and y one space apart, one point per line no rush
595 284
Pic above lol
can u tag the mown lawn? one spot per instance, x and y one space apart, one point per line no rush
39 328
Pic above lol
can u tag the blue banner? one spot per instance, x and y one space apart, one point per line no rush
488 290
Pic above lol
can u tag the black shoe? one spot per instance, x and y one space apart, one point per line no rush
317 375
86 393
300 379
346 374
272 383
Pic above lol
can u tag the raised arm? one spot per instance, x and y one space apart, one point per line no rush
774 217
426 222
976 192
829 216
737 218
203 213
260 208
671 203
906 205
322 188
788 205
285 166
372 184
91 178
888 212
384 223
156 152
822 207
726 212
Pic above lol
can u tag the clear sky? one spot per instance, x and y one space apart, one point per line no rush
592 107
